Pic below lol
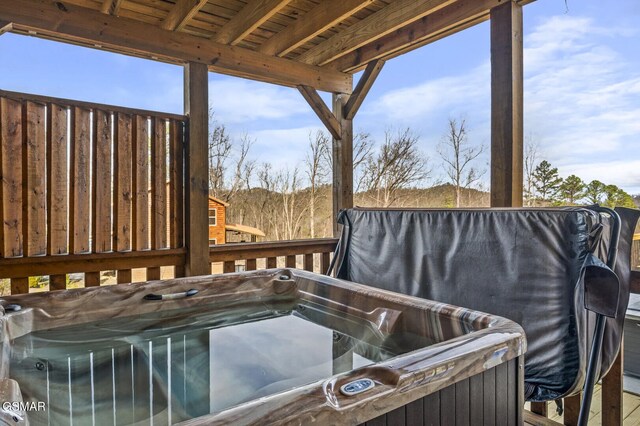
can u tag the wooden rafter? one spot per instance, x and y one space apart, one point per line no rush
5 27
362 89
381 23
111 7
76 24
181 13
254 14
452 18
322 110
322 17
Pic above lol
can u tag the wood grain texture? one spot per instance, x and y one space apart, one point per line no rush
506 105
141 143
88 27
322 111
448 20
34 180
362 88
176 184
393 16
612 392
102 182
342 152
250 17
196 106
181 13
159 185
80 190
57 177
11 135
323 16
122 191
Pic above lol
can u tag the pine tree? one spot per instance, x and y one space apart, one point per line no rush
594 192
546 181
616 197
571 190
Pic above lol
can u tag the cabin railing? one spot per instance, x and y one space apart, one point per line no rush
312 255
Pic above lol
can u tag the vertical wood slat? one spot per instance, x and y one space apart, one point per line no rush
19 285
308 262
176 189
158 200
57 178
272 262
432 409
462 402
140 184
251 265
122 192
290 261
35 229
229 266
572 409
101 206
79 202
57 189
11 165
448 406
325 261
612 392
57 282
489 389
502 411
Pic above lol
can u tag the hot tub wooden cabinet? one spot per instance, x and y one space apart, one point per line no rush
270 347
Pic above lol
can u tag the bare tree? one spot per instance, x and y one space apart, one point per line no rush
531 157
458 157
362 153
398 165
317 171
230 168
288 185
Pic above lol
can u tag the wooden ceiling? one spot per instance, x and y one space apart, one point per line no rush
322 42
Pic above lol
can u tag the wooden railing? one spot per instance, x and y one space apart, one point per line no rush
88 188
312 255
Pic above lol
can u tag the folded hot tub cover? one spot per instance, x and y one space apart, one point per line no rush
527 265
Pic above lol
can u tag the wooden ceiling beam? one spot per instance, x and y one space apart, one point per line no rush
254 14
75 24
111 7
388 19
448 20
322 110
362 89
319 19
181 13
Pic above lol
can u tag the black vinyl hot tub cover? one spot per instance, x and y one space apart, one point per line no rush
527 265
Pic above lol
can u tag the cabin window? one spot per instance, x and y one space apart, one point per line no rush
213 241
213 217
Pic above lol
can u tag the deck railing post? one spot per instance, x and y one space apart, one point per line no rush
506 105
342 160
196 106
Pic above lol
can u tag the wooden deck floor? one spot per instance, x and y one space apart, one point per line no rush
631 409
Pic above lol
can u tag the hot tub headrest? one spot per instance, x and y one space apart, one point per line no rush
538 267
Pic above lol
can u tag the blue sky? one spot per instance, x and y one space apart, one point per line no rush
582 90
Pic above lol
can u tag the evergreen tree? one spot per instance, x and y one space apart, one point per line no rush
594 192
616 197
546 181
571 190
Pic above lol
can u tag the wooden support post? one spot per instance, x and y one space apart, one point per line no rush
506 105
196 106
612 393
572 409
342 161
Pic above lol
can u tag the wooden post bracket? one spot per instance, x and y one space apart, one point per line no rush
331 122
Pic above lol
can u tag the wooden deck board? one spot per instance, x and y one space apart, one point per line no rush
631 409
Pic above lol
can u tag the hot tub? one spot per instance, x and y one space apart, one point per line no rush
278 346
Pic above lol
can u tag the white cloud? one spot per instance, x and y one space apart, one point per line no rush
581 100
239 101
282 147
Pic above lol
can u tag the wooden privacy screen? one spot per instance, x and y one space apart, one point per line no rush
88 188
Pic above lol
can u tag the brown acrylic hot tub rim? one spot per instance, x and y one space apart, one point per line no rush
399 380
